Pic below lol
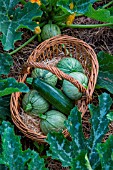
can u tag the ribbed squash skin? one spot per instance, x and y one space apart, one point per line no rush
50 30
45 75
34 103
69 65
54 121
70 90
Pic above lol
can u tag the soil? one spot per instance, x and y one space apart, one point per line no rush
100 39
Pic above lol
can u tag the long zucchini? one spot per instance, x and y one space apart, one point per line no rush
53 95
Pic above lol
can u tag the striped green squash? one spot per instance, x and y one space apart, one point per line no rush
50 30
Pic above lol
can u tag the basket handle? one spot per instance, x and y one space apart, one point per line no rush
60 74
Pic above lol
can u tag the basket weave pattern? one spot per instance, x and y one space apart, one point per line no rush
45 56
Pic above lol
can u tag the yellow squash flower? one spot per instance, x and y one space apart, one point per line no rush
71 5
70 19
36 1
37 30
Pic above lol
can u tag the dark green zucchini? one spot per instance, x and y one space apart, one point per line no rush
53 95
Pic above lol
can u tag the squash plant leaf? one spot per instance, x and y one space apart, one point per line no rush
105 76
104 15
12 154
99 127
36 162
80 6
78 148
12 18
81 162
6 62
60 148
105 151
10 85
4 107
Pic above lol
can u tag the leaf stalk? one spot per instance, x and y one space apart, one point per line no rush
85 26
23 45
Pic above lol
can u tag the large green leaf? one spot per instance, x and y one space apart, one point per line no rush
99 127
81 153
6 62
104 15
60 148
12 154
80 6
74 124
13 18
105 151
105 76
10 85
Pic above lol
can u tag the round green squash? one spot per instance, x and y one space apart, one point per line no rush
45 75
69 65
34 103
50 30
70 90
53 120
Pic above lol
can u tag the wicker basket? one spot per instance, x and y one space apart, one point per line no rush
45 56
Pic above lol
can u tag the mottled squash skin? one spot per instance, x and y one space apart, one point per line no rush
53 120
34 104
50 30
45 75
69 65
70 90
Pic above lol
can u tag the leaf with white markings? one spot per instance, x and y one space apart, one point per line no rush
99 127
61 148
36 162
81 153
13 18
12 155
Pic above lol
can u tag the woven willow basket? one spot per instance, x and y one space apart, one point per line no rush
45 56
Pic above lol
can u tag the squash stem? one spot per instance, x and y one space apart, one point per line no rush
23 45
85 26
41 116
28 107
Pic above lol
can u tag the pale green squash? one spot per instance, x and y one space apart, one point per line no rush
69 65
53 120
72 91
34 103
45 75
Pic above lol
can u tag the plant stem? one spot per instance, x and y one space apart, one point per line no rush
108 4
23 45
85 26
